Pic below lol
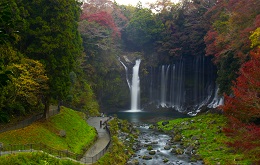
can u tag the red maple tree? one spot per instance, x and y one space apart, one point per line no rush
243 109
104 19
245 104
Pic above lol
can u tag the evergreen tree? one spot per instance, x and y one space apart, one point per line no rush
52 37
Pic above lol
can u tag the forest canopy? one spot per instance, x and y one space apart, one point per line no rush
66 52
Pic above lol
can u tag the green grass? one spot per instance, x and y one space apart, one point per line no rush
33 159
208 131
119 152
78 133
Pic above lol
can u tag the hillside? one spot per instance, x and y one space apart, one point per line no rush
78 133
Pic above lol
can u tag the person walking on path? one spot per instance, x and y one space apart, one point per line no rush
100 123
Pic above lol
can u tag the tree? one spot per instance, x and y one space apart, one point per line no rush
185 28
245 104
100 27
9 18
232 24
255 38
143 30
104 19
52 37
29 81
243 109
9 21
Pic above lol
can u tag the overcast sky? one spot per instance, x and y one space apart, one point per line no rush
134 2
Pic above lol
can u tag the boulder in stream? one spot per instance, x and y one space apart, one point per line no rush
147 157
167 147
133 162
152 152
165 123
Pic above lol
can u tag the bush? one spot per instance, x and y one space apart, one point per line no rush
4 117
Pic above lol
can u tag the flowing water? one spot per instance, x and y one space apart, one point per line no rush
157 140
172 93
135 87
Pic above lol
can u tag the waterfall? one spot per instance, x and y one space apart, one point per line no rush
163 86
126 73
172 87
217 100
135 87
187 85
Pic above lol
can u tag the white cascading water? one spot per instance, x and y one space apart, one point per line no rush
217 100
181 89
135 88
163 87
126 74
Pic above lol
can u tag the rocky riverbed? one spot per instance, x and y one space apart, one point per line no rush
153 148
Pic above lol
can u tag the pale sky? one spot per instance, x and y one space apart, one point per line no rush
134 2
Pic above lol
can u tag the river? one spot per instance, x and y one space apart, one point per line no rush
153 147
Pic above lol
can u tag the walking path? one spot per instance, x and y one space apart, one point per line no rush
102 141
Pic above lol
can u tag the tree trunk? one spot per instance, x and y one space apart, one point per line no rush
46 108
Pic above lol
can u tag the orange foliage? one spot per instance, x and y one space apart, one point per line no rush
243 109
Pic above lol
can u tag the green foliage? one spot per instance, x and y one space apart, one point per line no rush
9 19
212 141
4 117
16 108
78 133
101 65
4 77
26 86
227 72
255 38
33 158
82 97
143 29
221 25
52 37
30 81
119 152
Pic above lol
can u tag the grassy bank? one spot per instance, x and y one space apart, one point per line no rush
33 158
123 135
203 134
78 134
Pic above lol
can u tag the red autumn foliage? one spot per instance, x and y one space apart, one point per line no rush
245 105
104 19
244 108
210 41
245 138
106 13
234 21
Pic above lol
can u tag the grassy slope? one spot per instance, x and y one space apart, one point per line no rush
33 158
208 130
78 133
